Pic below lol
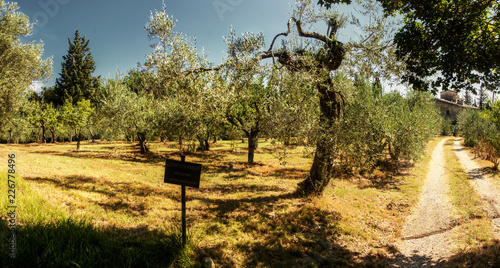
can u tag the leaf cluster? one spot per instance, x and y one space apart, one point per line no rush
376 124
448 44
20 63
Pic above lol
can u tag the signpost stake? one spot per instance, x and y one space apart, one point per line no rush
183 214
184 174
183 196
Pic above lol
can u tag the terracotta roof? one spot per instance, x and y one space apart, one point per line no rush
454 103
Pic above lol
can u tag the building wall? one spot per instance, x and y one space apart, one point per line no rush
449 110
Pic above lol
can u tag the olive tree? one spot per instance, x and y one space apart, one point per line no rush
20 63
323 55
248 111
45 117
175 77
129 112
76 117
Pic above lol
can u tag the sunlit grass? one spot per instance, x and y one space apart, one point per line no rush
56 229
473 226
475 246
242 215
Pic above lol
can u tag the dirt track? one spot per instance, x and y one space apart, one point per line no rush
425 237
425 240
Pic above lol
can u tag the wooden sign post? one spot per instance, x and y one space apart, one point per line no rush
184 174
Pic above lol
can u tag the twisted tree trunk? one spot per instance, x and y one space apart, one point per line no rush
141 136
252 144
321 170
327 59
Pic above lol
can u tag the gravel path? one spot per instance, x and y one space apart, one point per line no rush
483 186
425 237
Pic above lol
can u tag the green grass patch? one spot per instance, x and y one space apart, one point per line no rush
48 237
242 215
78 243
474 227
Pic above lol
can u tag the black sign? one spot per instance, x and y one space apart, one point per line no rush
182 173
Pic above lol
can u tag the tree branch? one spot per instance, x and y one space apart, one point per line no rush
202 69
301 32
243 126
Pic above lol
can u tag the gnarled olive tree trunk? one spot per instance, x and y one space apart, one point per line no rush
327 59
141 136
321 170
252 136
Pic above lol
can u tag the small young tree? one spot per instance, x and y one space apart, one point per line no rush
248 112
76 117
45 117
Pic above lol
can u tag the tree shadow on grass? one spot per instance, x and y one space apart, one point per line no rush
135 156
245 188
291 173
285 231
115 192
102 186
289 231
151 157
487 255
78 243
386 177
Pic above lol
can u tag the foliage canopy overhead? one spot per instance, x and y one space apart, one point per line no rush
449 44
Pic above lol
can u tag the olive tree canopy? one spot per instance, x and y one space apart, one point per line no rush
20 63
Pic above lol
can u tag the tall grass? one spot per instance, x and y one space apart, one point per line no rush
47 237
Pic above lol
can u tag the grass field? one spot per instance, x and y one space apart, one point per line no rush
241 216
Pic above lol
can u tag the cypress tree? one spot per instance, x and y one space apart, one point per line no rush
377 88
76 80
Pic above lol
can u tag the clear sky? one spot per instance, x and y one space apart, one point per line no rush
116 32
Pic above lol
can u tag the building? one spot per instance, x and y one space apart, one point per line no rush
451 105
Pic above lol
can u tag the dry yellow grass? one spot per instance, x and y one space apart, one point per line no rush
242 216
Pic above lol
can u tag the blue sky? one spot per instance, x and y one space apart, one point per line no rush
116 32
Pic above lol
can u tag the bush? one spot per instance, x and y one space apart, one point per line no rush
480 131
411 123
447 128
373 123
